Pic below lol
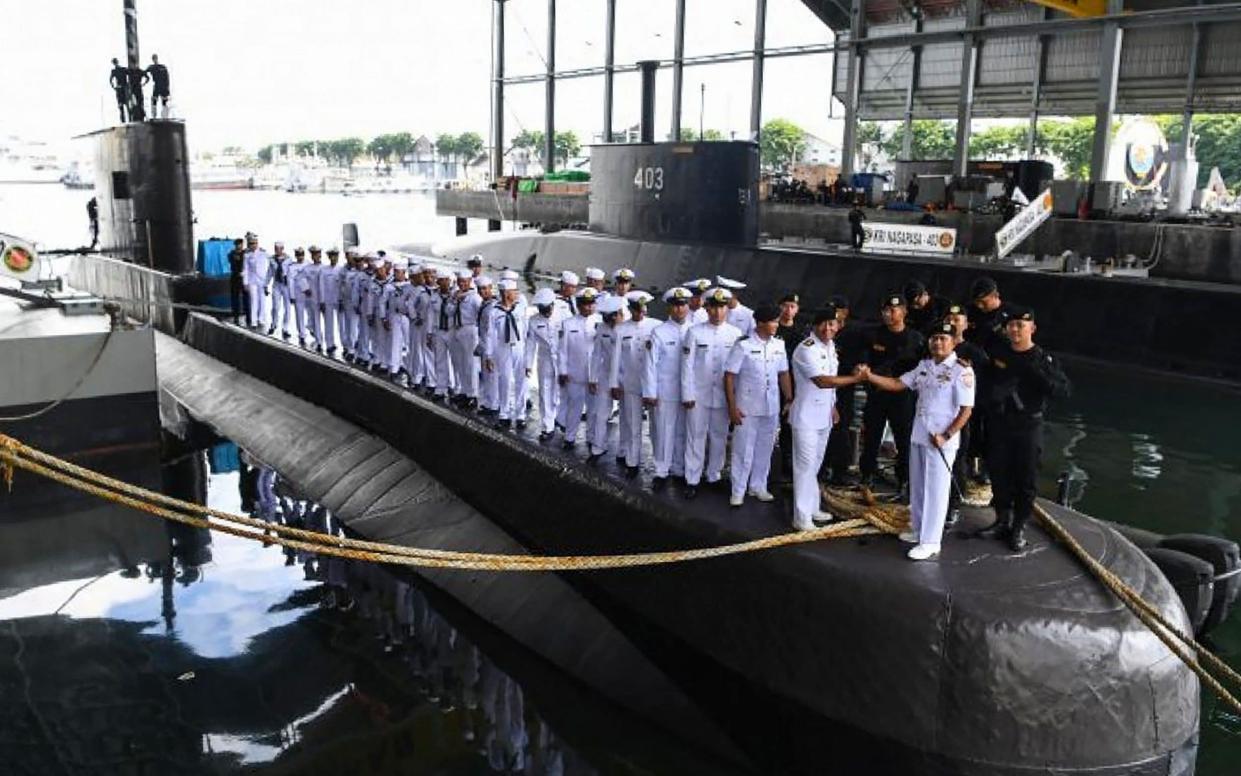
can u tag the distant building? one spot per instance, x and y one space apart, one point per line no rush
820 151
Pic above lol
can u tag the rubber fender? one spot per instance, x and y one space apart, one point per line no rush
1140 537
1193 579
1225 556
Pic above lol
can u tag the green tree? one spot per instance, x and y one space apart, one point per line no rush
304 148
567 146
531 141
999 142
380 148
264 154
932 139
469 146
1069 141
780 143
1217 144
402 144
690 135
344 150
446 146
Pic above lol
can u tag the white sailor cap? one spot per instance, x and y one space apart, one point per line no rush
594 273
723 282
415 266
278 244
475 261
352 250
440 273
544 297
510 274
611 304
587 294
399 262
569 278
464 274
678 293
315 249
508 285
638 297
717 296
482 281
624 273
696 287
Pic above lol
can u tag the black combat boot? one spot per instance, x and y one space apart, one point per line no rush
1000 528
1017 533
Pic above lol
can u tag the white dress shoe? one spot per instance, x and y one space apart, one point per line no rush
821 517
924 552
736 501
761 495
910 537
803 526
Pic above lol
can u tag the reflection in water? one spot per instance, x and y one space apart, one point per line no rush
1146 458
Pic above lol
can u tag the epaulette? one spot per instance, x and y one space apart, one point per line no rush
809 341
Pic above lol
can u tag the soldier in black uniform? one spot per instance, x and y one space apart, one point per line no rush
890 350
987 313
790 331
1022 378
849 346
119 80
236 286
925 309
158 74
857 234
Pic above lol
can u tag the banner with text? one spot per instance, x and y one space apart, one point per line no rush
18 258
908 238
1023 224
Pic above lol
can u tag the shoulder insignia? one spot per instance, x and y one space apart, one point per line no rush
878 347
999 364
967 378
809 341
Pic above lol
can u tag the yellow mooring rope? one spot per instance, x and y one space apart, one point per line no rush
870 520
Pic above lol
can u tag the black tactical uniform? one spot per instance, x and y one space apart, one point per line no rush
236 288
891 354
985 330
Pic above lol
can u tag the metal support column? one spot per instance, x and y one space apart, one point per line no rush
1105 105
609 69
678 66
965 97
1036 90
497 90
136 106
756 80
549 111
1191 85
853 86
915 71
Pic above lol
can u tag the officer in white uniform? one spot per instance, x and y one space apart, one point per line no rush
633 336
705 350
506 356
396 322
565 305
330 277
601 375
488 385
439 337
281 306
945 389
813 413
256 268
475 265
576 340
465 338
697 312
622 286
661 388
756 386
738 314
542 349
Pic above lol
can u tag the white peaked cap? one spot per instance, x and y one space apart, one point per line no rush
624 273
611 304
544 297
677 292
638 297
723 282
594 273
717 294
508 285
569 277
482 281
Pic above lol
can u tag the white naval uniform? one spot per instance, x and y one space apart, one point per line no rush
601 372
465 340
256 268
488 382
542 349
507 350
757 365
563 308
943 389
292 273
743 318
810 418
306 300
372 311
330 278
631 365
576 340
349 313
312 278
281 303
439 333
704 350
360 293
396 324
420 366
698 316
661 381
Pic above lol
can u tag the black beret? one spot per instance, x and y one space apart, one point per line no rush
893 300
943 328
983 286
839 301
766 312
1020 313
791 296
914 289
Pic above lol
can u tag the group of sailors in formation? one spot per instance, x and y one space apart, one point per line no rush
714 374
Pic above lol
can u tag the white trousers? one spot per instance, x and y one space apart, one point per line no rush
306 316
398 337
380 336
753 442
629 441
706 435
441 363
573 398
259 308
349 330
282 312
668 438
329 325
415 355
930 483
598 412
549 394
510 364
464 340
809 444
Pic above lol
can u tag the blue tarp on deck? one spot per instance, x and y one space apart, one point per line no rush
213 257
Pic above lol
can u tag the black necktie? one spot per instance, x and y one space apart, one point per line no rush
512 333
443 312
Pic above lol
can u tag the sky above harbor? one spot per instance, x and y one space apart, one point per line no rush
252 72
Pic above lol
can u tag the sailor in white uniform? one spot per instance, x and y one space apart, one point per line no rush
256 268
312 275
633 336
661 388
506 356
439 328
330 281
291 272
421 367
576 340
697 312
705 350
281 306
945 388
565 305
475 265
542 348
372 309
595 278
622 285
465 338
756 386
396 321
601 375
488 385
349 313
813 413
738 314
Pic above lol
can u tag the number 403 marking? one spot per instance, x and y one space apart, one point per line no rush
650 178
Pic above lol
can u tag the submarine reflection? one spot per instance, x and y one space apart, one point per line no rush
187 652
